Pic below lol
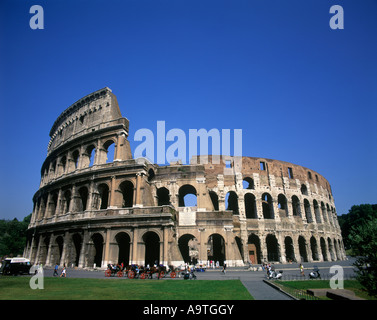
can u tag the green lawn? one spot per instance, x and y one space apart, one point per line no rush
352 285
122 289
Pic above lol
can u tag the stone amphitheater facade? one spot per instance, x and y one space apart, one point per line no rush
97 205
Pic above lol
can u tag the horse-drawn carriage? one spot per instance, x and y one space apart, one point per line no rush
134 271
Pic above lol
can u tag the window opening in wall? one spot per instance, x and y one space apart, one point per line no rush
309 175
231 202
83 192
290 173
187 196
215 200
151 174
76 157
163 196
248 183
228 164
110 150
91 151
262 165
127 190
250 206
103 190
316 177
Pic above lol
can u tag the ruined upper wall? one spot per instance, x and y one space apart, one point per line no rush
283 172
95 111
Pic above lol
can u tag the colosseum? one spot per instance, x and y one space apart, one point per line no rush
97 205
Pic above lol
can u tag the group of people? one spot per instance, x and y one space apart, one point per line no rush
63 273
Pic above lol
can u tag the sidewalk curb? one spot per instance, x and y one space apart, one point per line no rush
279 289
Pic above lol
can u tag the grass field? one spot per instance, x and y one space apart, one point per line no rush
122 289
352 285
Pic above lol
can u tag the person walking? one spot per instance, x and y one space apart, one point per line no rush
302 270
64 273
224 268
56 270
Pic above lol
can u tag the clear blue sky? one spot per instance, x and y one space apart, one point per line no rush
300 91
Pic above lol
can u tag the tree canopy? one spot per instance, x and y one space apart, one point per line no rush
13 236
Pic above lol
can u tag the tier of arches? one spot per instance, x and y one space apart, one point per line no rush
97 152
289 248
254 206
82 197
88 249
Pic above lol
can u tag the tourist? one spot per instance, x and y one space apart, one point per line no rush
64 273
224 268
56 270
302 270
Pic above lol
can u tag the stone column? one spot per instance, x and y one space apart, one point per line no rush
83 249
135 258
107 248
166 246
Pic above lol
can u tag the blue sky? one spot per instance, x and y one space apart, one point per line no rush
300 91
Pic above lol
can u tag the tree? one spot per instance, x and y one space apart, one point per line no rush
363 240
13 236
355 216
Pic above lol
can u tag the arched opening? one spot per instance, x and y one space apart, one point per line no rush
53 204
151 174
215 200
109 147
302 249
59 242
240 246
331 249
323 209
314 248
163 196
289 249
248 183
308 212
304 190
188 247
127 190
282 205
272 248
267 206
98 248
152 248
231 202
88 156
77 242
75 158
216 248
324 249
250 206
317 214
62 165
83 192
187 196
66 201
123 240
296 206
103 190
254 249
